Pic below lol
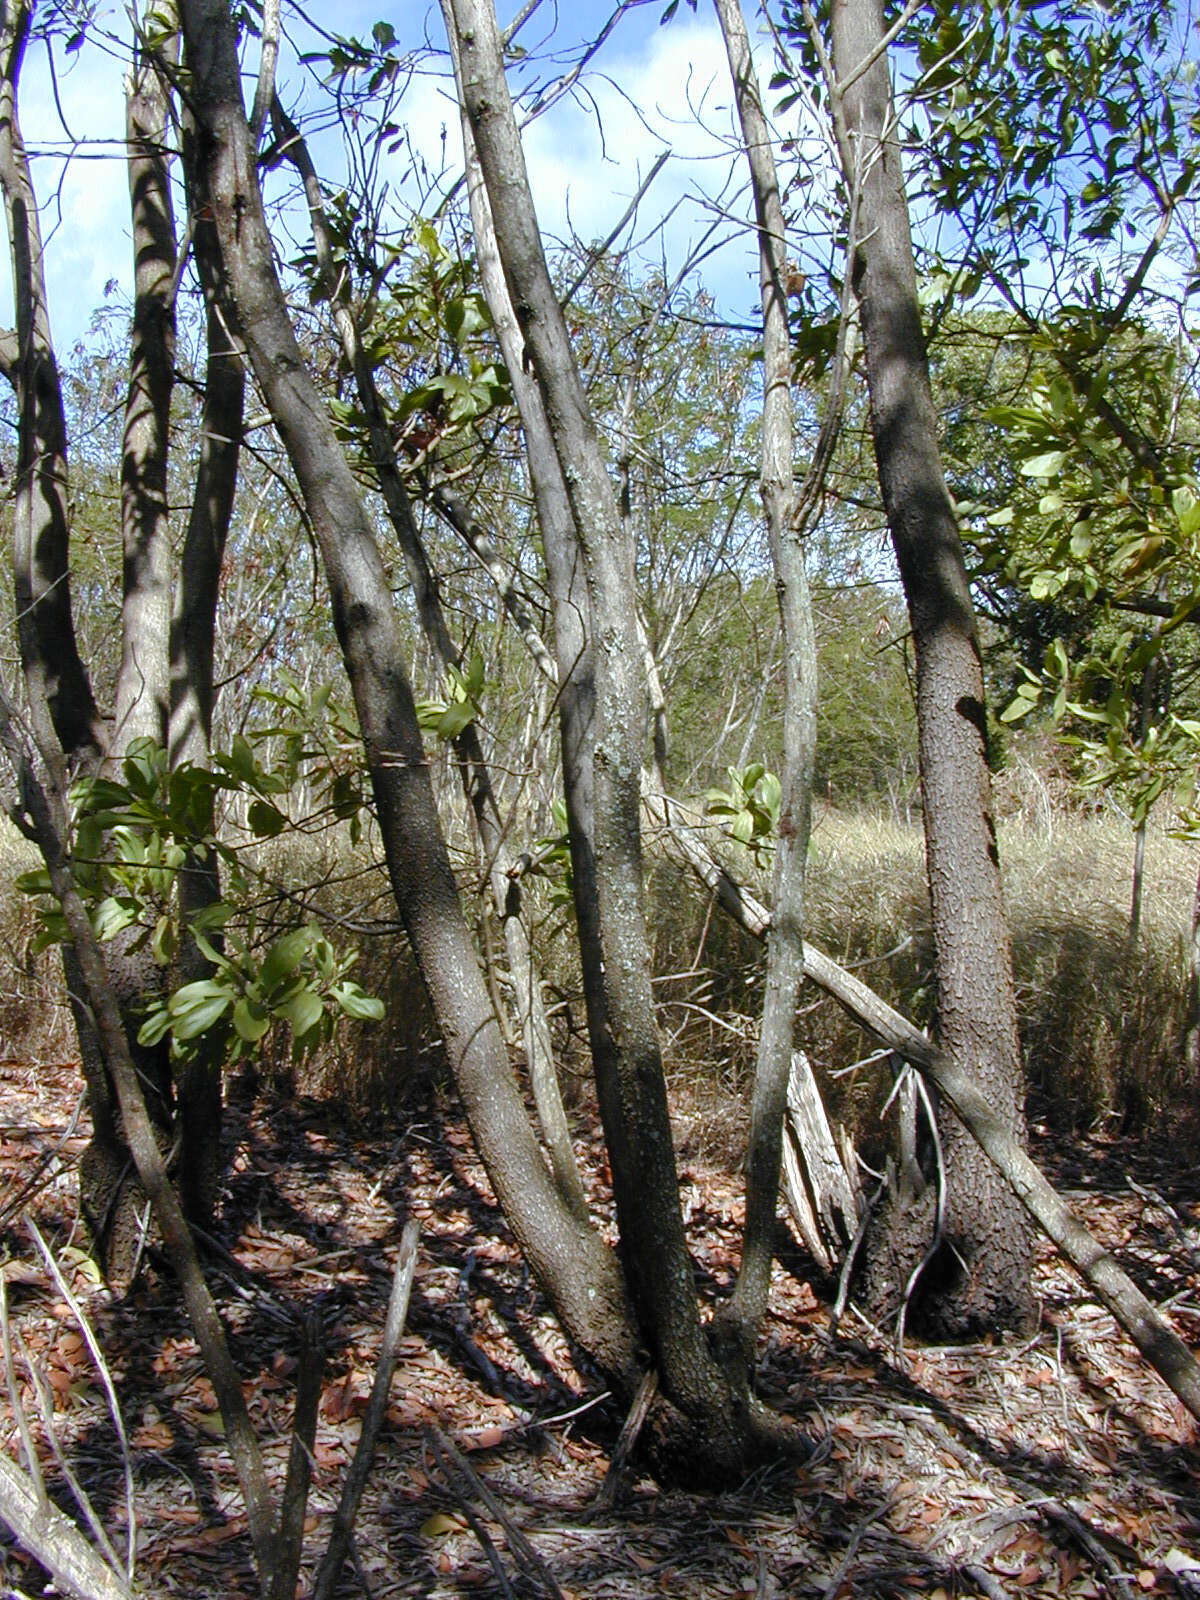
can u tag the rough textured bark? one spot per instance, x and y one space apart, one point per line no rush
580 1274
785 941
979 1281
625 1046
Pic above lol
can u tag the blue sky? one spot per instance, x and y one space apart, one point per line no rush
651 88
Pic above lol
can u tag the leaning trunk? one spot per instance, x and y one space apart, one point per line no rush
978 1280
579 1273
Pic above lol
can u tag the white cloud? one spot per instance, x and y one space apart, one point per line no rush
650 89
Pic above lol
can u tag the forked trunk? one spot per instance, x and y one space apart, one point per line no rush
711 1419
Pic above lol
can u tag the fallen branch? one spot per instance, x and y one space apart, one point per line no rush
54 1540
453 1462
1149 1330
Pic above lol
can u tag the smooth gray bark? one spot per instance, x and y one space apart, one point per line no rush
142 694
569 604
577 1270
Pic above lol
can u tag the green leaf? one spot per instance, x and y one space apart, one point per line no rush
197 1006
250 1020
284 957
742 827
454 719
112 916
355 1003
266 821
1044 466
155 1028
164 941
1187 510
303 1012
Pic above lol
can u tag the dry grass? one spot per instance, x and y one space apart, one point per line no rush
1101 1029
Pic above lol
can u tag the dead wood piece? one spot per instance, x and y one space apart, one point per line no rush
55 1541
454 1463
626 1441
1149 1330
822 1193
356 1474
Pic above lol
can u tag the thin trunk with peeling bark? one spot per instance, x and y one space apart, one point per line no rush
579 1272
979 1280
785 941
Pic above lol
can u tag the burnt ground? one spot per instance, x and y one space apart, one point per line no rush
1055 1466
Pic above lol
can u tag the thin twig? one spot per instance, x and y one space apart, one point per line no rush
290 1543
110 1390
83 1500
356 1474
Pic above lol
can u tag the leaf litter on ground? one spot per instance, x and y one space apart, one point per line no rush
1053 1466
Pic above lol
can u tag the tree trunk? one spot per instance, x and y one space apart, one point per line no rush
193 630
785 941
142 683
41 570
625 1046
979 1280
578 1271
